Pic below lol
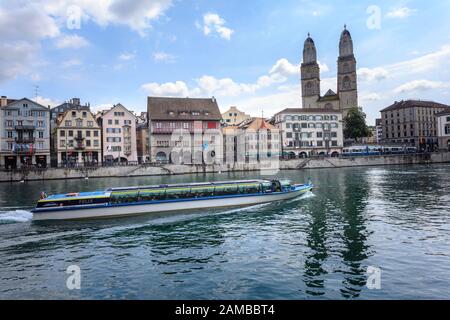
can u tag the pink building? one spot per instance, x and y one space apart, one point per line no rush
118 134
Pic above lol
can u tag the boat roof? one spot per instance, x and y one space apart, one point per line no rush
107 193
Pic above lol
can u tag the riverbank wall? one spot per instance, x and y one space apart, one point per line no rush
172 169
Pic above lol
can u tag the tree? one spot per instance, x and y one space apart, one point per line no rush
355 126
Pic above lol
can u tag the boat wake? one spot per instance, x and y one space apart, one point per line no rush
15 216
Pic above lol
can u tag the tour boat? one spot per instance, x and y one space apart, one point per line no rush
117 202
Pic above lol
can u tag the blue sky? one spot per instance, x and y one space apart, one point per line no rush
245 53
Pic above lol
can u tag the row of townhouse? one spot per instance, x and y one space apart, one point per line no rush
67 135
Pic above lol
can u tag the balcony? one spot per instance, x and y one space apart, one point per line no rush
25 140
25 128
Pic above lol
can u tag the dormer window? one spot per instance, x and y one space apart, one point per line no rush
195 113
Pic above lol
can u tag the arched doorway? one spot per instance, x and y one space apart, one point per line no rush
161 157
303 155
335 154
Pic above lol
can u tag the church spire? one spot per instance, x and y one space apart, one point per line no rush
309 50
345 43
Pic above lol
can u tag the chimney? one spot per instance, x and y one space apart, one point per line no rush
3 101
76 101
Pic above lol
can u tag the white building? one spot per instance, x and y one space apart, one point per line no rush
443 130
118 134
310 132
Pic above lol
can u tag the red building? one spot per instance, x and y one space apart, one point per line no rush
181 129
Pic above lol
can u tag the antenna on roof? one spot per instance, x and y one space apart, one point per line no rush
36 90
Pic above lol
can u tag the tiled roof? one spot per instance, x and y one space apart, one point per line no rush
160 108
414 103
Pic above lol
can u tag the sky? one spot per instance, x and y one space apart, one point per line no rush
244 53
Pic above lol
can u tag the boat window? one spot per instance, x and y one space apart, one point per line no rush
71 202
249 188
226 189
124 197
177 193
200 192
152 195
266 187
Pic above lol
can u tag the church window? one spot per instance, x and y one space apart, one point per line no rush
346 83
346 68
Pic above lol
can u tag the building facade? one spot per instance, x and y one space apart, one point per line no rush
310 132
77 139
25 134
252 140
234 117
347 88
176 128
118 134
142 141
379 130
443 130
412 123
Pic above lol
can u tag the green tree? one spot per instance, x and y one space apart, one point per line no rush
355 126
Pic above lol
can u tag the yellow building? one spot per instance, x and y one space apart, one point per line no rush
233 117
77 138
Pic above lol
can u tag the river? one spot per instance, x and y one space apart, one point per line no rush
319 246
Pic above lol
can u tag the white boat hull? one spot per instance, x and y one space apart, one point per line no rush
139 209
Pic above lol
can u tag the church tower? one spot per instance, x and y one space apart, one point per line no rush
310 74
347 81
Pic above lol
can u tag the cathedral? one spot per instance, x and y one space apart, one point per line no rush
347 90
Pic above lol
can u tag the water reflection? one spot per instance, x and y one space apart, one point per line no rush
356 192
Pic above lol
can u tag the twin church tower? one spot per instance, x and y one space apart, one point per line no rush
347 89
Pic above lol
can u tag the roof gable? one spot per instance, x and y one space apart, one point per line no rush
161 108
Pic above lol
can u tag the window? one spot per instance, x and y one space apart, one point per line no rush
319 134
95 143
79 123
84 114
88 143
41 134
68 123
334 134
288 134
110 121
9 123
95 133
90 124
70 133
116 122
62 133
62 143
319 143
88 133
334 143
74 114
10 134
185 125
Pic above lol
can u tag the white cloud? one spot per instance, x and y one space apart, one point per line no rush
164 57
71 63
127 56
73 41
370 96
323 67
366 74
16 59
401 13
47 101
420 85
214 24
170 89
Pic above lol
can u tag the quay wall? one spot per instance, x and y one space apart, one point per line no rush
172 169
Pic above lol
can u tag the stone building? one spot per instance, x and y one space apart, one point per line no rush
310 132
347 88
233 116
412 123
118 134
24 133
170 120
77 138
443 130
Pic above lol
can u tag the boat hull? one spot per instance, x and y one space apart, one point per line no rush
110 211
